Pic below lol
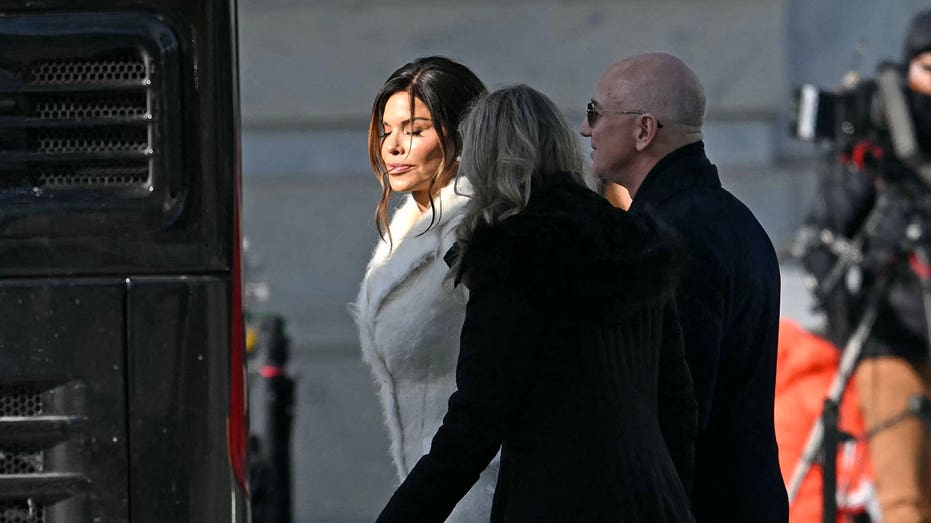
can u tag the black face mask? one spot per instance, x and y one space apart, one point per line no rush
920 106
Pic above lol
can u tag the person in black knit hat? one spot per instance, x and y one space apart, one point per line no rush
918 60
918 39
894 368
901 455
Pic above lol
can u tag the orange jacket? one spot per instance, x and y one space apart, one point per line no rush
805 366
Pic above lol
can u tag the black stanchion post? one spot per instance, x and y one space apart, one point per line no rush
270 442
279 405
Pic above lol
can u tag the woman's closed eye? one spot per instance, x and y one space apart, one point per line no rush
407 132
417 130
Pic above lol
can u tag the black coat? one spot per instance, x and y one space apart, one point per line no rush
728 302
845 200
569 324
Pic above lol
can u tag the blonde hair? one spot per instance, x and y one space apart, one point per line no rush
510 138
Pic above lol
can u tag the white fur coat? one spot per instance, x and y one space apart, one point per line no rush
409 324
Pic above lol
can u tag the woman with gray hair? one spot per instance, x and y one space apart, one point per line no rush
570 358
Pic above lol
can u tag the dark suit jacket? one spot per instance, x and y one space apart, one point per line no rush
728 302
571 362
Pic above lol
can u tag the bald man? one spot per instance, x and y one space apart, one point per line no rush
645 124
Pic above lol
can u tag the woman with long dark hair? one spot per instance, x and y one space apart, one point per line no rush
571 359
408 321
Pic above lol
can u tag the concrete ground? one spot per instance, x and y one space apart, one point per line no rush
342 470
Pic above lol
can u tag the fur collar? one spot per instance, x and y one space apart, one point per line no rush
572 252
412 248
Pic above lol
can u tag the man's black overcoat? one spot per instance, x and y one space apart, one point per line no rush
571 362
728 301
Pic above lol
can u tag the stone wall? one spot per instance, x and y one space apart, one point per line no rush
309 69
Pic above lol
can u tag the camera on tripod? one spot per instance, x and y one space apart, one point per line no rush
874 110
840 116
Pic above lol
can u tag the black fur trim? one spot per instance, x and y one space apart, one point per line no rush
571 251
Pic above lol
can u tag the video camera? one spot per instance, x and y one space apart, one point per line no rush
837 116
874 110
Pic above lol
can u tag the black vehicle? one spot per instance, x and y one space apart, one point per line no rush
122 394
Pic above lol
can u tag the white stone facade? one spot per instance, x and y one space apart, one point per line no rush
309 70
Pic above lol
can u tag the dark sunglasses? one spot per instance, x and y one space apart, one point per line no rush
592 114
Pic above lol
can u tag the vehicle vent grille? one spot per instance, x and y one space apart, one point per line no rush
21 512
90 128
20 400
78 141
88 105
21 461
63 72
91 175
71 133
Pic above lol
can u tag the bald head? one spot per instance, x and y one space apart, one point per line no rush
644 108
661 84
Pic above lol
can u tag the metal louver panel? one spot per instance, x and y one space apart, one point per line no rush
89 124
63 442
21 512
27 436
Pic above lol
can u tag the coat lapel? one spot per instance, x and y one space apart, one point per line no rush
390 267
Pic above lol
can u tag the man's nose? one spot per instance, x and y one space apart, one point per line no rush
584 128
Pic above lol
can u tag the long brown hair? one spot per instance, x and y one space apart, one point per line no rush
446 88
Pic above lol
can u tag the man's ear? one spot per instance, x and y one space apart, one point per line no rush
646 132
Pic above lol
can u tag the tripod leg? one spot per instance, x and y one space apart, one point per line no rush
848 362
900 453
829 421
